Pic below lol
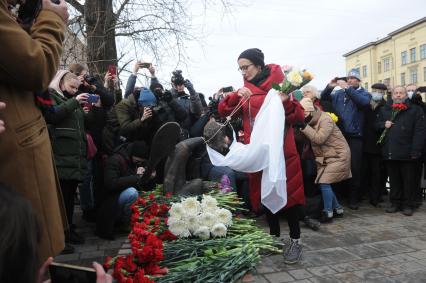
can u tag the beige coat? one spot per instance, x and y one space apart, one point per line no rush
27 64
332 153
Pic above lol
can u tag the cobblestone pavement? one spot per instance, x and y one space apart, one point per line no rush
367 245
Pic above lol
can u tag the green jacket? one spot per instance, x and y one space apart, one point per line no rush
129 118
67 133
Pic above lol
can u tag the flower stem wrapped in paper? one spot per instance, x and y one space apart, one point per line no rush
293 79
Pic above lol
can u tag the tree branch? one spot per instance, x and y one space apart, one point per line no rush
123 5
79 7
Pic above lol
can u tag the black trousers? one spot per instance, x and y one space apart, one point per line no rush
373 176
355 145
402 177
68 188
418 191
293 217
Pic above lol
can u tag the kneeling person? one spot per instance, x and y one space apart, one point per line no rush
124 177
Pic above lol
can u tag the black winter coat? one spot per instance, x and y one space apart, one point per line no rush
371 134
406 138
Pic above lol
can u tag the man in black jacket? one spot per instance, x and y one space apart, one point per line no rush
124 172
401 148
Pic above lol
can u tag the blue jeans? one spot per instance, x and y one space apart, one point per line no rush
125 201
329 198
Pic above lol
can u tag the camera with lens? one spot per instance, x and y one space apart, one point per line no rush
89 79
213 108
29 11
177 78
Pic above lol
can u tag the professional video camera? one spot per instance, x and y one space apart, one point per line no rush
177 78
29 11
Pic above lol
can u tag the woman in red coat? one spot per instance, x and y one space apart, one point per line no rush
258 80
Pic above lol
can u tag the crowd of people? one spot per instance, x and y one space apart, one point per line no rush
63 131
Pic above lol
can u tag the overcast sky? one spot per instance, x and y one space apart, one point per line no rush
309 34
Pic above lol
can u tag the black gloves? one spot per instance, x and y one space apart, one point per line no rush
299 125
188 85
167 96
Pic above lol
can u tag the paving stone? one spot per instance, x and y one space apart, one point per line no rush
364 251
347 277
328 256
92 254
391 247
124 251
67 258
321 270
324 280
279 277
368 274
264 267
418 255
300 274
260 279
413 242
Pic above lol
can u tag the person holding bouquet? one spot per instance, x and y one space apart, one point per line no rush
258 80
403 138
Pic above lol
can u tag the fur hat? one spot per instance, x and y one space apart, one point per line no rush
307 104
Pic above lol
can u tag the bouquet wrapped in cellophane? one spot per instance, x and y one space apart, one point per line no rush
293 79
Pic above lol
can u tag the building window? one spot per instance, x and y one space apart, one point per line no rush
386 65
387 82
364 71
413 55
402 78
413 76
379 67
423 51
366 86
403 57
424 74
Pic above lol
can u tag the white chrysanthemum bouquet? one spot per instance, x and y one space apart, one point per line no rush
293 79
204 219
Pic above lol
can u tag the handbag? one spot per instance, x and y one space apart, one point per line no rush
91 147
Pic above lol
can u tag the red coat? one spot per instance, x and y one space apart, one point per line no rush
293 113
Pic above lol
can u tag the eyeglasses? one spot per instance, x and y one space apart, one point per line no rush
244 68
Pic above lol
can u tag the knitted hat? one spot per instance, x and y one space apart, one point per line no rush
139 149
354 73
146 98
307 104
255 55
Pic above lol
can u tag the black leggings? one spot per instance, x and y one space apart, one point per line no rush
293 217
69 188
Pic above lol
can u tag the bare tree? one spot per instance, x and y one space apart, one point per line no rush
157 27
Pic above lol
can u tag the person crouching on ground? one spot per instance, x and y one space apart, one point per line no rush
332 155
124 177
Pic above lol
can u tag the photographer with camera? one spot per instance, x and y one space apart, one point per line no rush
28 61
191 103
155 106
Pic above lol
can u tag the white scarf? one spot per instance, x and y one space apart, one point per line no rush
265 152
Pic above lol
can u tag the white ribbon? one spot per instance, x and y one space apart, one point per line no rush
264 153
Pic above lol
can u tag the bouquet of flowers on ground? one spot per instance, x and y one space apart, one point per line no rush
204 219
293 79
396 108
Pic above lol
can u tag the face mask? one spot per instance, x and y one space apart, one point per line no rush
376 96
410 94
66 94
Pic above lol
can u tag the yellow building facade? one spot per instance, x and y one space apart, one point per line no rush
398 59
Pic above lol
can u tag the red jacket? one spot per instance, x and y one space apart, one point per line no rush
293 113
